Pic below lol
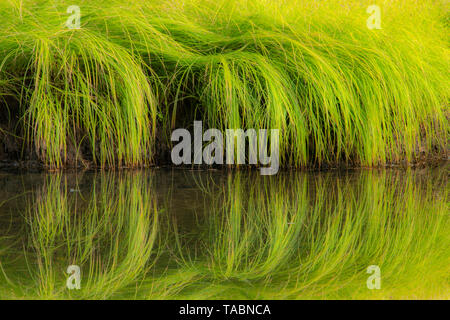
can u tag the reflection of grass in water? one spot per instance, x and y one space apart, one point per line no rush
259 238
264 242
111 237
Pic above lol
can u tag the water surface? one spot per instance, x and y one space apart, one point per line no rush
172 234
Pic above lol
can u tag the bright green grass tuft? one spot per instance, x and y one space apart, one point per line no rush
338 91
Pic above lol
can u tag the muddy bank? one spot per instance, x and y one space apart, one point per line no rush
16 155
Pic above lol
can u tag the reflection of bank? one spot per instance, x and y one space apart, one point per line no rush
294 236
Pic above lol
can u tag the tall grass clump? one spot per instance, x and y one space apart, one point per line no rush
338 92
78 87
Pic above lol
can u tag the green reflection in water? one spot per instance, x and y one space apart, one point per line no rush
199 235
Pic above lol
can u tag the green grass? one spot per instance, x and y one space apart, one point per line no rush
295 237
338 92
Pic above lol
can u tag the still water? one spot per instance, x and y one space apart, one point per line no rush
180 234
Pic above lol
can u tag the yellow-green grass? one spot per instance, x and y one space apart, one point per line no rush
338 92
